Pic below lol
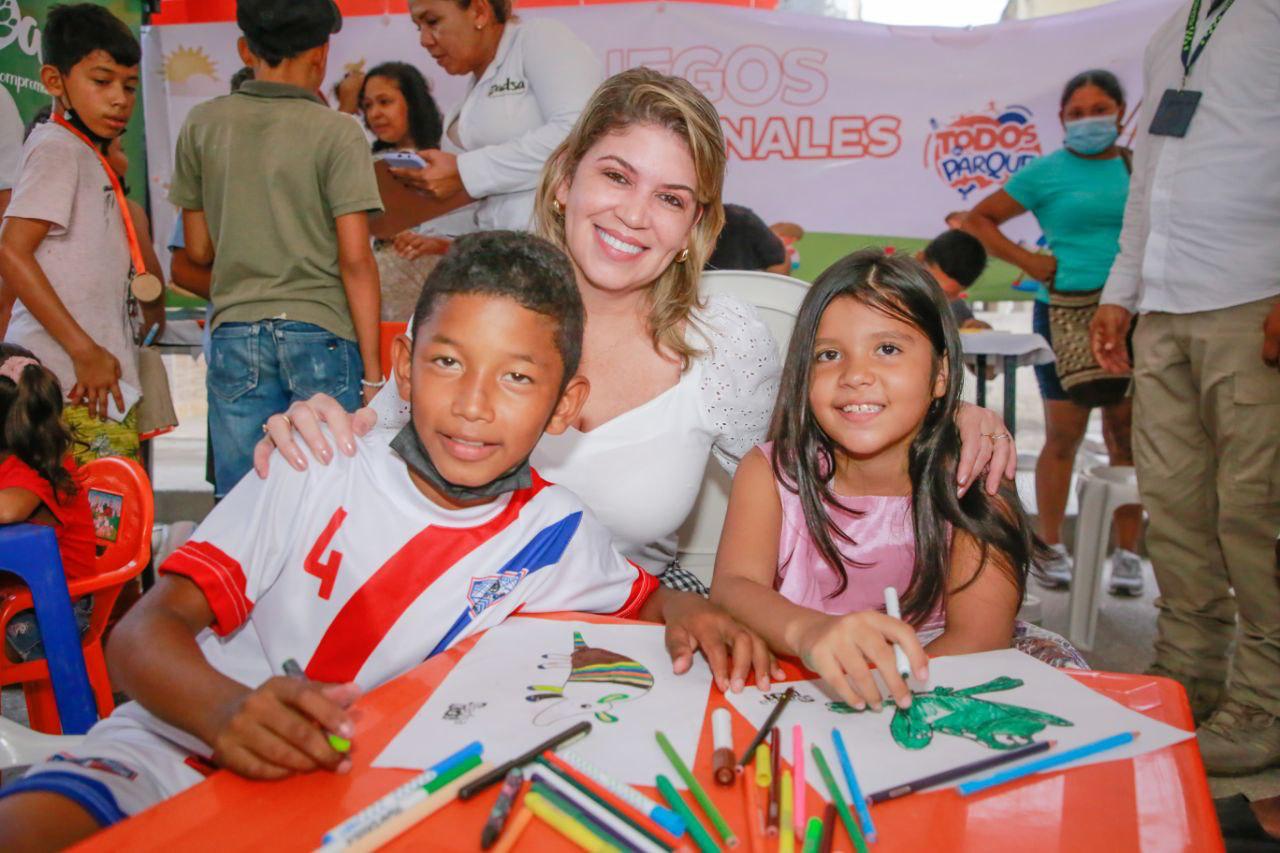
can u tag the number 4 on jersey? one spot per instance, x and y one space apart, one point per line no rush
327 571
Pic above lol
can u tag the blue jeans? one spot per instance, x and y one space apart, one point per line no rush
258 369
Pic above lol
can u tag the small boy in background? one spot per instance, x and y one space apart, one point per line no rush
363 568
956 259
64 253
276 190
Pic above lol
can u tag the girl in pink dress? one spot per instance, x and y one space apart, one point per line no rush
855 493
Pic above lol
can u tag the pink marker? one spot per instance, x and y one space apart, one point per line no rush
797 776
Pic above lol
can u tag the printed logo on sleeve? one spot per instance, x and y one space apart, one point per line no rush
507 87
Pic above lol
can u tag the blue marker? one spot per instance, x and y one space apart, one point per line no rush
151 334
1046 763
855 790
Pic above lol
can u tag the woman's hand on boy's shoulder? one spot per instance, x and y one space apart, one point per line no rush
279 728
305 417
732 650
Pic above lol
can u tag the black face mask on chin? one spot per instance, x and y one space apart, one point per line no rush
409 446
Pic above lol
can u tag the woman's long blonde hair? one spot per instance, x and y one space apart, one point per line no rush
643 96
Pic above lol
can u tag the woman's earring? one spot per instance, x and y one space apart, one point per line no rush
556 208
682 256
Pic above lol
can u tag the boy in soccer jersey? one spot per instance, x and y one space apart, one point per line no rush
365 567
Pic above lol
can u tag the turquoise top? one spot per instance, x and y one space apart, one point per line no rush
1079 204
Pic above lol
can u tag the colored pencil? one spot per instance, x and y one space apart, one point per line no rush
414 815
813 835
1046 763
708 807
515 829
801 793
755 818
775 783
892 607
697 831
786 822
960 772
828 828
850 825
291 669
498 773
769 722
855 790
668 821
722 742
501 809
406 796
575 785
764 766
565 825
557 794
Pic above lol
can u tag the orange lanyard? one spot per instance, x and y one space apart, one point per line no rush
135 250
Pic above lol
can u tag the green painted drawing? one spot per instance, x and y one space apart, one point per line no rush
957 712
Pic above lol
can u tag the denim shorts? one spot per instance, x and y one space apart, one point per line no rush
1046 374
259 369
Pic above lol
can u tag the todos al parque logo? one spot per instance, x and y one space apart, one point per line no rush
979 150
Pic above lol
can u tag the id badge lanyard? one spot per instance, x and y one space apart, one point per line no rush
1178 106
145 286
1190 50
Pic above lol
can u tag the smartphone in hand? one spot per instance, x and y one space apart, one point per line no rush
402 160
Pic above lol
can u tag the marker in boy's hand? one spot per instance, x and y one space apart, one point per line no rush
839 648
732 651
279 728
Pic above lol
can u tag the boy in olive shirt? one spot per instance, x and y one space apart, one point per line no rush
276 190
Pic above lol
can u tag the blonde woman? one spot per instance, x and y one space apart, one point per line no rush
633 195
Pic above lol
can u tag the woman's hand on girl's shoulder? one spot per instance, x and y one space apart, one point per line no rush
732 650
841 649
985 445
305 417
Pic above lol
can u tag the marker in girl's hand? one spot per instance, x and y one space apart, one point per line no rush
339 744
892 608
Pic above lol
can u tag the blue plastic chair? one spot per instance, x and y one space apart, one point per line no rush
30 551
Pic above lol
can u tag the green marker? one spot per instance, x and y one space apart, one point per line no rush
813 835
339 744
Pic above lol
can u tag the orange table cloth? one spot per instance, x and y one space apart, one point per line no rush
1158 801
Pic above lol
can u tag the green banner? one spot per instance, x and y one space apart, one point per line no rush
21 23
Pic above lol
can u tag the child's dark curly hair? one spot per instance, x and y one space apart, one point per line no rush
31 425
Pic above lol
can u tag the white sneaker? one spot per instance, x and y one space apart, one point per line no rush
1056 570
1126 573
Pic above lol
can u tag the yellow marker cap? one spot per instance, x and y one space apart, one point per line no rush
764 775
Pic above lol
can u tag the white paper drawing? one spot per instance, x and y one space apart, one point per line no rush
972 707
527 679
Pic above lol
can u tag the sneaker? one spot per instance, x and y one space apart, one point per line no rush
1055 571
1239 740
1203 694
1126 573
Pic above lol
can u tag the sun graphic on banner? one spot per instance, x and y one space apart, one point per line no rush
189 71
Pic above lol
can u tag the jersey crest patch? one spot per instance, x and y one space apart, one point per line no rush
485 591
102 765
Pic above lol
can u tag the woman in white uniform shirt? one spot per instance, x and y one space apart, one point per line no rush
633 195
529 82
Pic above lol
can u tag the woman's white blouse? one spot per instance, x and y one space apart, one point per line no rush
640 472
515 115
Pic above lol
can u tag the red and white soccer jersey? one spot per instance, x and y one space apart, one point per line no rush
350 570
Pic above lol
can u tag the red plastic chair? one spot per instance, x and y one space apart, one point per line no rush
388 333
124 513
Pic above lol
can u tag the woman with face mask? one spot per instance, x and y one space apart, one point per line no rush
1077 195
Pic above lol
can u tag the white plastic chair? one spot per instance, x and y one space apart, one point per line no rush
777 298
1101 490
21 747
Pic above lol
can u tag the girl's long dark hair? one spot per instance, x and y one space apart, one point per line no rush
31 426
804 457
426 125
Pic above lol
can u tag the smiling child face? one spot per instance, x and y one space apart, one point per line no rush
483 377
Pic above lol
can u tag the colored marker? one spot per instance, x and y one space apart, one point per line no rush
772 814
828 828
764 766
603 804
722 738
850 825
517 827
291 669
401 823
501 809
755 817
403 798
697 832
961 771
892 608
769 722
797 764
559 797
564 824
499 773
667 820
813 835
151 334
855 790
1046 763
786 822
708 807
